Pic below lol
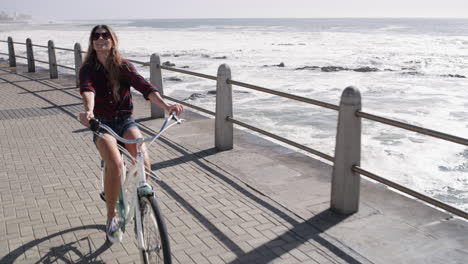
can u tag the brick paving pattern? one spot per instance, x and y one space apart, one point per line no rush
50 210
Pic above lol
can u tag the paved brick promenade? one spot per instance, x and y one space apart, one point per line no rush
50 210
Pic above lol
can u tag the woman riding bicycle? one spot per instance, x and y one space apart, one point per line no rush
105 80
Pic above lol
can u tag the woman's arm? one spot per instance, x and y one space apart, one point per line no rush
136 80
87 94
156 99
88 103
148 90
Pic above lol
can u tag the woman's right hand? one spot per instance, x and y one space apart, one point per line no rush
177 108
85 117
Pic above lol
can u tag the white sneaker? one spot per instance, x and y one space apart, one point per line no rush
113 231
146 189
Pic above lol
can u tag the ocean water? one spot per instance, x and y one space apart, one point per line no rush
418 74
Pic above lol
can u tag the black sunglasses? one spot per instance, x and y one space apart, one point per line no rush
104 35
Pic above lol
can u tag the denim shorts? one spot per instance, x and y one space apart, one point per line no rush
119 124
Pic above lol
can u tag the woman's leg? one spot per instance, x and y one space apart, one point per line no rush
132 133
107 147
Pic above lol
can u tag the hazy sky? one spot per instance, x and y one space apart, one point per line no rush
105 9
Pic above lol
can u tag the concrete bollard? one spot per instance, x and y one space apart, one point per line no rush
156 80
52 61
78 63
30 55
11 52
345 182
223 129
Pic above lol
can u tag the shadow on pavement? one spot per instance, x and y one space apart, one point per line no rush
62 253
301 232
284 242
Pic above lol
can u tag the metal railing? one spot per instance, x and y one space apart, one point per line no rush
408 191
191 105
57 48
285 95
346 162
420 130
53 65
282 139
201 75
135 61
41 61
40 46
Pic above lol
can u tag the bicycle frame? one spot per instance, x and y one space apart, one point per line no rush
129 209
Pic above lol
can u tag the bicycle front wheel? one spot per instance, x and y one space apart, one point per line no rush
157 249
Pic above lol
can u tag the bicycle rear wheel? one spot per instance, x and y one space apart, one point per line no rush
157 249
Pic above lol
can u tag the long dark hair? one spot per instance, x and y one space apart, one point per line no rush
114 60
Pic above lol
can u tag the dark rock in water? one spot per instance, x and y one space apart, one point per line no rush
220 57
195 96
444 169
308 68
389 70
276 65
173 79
338 68
461 115
213 92
464 154
416 140
454 75
414 73
185 67
413 62
169 64
333 69
366 69
288 44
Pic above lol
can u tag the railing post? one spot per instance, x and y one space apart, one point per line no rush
78 63
345 182
30 55
11 52
52 61
156 80
223 129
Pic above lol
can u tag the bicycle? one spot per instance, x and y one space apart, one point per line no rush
150 229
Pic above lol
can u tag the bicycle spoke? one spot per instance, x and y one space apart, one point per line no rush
153 249
153 245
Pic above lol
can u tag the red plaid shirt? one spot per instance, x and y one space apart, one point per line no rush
94 79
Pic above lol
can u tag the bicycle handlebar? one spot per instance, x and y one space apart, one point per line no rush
96 124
